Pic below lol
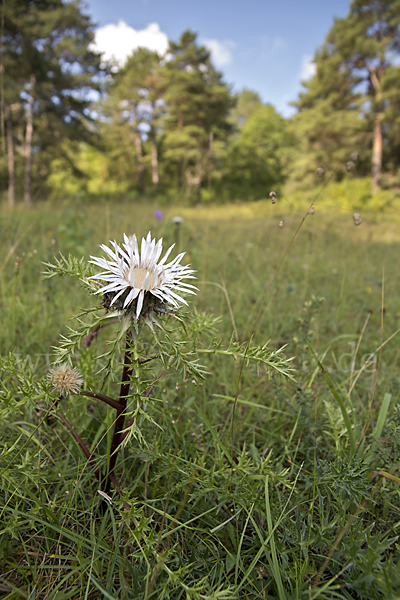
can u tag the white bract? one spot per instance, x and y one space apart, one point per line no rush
141 272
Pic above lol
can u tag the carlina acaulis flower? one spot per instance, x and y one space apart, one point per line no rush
138 281
65 379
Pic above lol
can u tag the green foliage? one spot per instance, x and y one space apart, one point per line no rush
48 62
256 155
246 103
85 170
350 194
169 126
353 97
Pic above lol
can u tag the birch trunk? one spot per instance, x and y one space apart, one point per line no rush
210 153
10 158
28 147
377 154
377 134
154 165
139 157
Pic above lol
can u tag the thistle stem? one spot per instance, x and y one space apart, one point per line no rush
120 418
147 394
82 445
110 401
87 340
130 423
88 455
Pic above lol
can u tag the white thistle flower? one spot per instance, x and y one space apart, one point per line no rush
140 273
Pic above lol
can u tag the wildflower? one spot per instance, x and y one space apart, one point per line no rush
272 195
311 210
350 165
158 215
281 224
138 281
357 219
65 379
320 171
177 220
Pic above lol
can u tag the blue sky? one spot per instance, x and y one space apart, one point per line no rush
264 45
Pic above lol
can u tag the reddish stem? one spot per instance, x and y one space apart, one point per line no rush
120 418
147 394
83 446
110 401
86 452
88 339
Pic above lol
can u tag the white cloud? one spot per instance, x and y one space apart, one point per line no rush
308 68
221 52
117 42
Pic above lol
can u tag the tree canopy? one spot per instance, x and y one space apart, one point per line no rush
49 71
171 124
353 99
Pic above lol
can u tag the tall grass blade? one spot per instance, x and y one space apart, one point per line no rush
382 416
275 563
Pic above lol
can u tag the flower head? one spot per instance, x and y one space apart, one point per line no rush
65 379
138 279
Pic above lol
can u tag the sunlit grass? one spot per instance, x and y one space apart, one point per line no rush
310 509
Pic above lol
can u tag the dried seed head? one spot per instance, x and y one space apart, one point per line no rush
16 266
272 195
177 220
350 165
65 379
281 223
311 210
320 171
354 156
357 219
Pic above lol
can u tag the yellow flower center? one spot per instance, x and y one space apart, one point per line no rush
139 275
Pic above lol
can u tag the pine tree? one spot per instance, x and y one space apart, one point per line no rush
353 97
246 102
135 107
197 104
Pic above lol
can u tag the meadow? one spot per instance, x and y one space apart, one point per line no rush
244 484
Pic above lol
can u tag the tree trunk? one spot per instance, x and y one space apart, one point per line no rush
377 134
28 147
377 154
179 176
10 157
210 153
139 157
154 164
199 179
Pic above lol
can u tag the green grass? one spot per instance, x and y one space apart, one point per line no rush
310 508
